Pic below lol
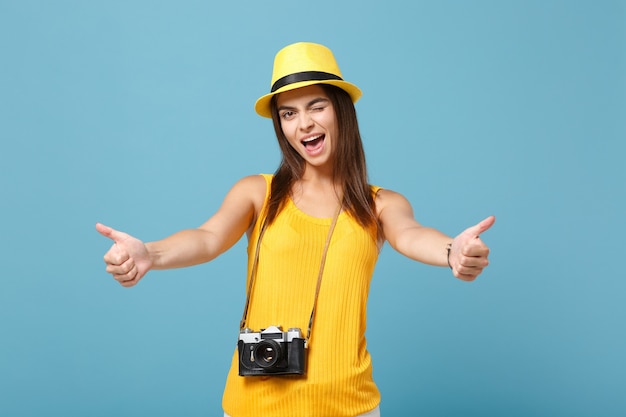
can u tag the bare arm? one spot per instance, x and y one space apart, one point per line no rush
406 235
216 235
468 254
129 259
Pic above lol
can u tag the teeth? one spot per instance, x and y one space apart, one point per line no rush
311 139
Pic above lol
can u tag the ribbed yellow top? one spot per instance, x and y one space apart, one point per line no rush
338 380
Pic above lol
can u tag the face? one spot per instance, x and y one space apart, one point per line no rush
307 118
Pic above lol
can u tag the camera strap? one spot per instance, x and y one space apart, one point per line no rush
255 263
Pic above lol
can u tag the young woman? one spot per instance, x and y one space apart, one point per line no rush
314 229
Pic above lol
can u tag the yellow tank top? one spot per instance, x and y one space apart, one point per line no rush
338 380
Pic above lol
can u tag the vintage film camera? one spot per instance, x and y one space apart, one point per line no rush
271 352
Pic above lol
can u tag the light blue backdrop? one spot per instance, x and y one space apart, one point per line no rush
139 114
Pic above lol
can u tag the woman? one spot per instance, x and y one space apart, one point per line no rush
314 229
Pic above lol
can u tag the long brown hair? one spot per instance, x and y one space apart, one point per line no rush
349 167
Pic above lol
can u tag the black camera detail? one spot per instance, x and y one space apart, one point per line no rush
271 352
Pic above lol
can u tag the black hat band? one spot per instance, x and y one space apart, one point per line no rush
304 76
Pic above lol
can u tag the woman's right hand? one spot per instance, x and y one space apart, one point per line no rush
128 260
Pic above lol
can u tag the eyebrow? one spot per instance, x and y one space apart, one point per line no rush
309 104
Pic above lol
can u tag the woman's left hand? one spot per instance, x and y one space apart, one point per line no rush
468 253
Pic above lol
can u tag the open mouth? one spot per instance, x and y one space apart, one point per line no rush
313 142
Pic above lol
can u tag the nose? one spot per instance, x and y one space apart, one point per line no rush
305 121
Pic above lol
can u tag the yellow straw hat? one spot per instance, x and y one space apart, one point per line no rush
302 64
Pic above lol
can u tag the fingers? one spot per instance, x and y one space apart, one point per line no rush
126 274
475 248
121 270
119 263
116 255
111 233
122 267
103 230
481 227
467 277
471 252
470 266
468 273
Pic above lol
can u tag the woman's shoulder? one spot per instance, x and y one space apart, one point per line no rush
256 180
382 194
386 198
253 184
254 187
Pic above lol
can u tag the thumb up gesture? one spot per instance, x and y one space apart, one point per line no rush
468 254
128 259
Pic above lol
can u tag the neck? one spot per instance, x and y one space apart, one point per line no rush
317 195
318 174
319 180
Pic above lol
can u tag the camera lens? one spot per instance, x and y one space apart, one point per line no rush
267 353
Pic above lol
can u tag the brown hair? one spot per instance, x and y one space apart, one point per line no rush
349 167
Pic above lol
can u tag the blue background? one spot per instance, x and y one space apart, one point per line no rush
139 114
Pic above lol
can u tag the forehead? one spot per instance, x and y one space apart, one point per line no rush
300 96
